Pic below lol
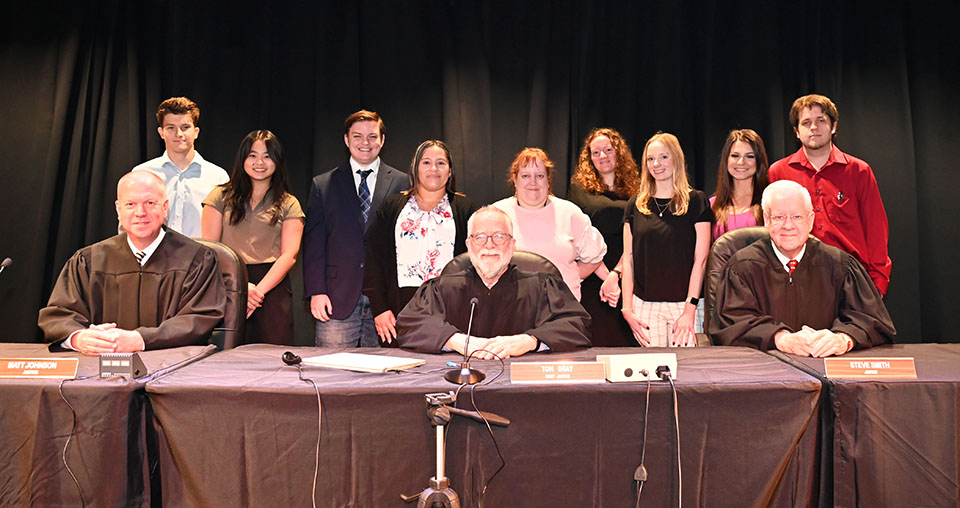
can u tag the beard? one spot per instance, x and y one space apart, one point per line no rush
816 145
489 268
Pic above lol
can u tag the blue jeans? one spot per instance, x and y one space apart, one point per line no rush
356 330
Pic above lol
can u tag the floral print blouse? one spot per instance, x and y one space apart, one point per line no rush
424 242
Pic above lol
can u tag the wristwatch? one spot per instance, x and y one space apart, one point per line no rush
694 300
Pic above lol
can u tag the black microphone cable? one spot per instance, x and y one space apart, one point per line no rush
664 373
676 421
640 475
73 431
473 403
294 360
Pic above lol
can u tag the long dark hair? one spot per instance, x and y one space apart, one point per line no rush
414 174
721 205
237 191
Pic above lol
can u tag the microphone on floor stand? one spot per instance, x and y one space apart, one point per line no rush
6 262
465 375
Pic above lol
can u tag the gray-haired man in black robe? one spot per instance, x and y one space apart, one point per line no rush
795 293
146 288
518 311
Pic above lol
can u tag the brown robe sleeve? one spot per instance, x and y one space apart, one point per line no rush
740 319
193 309
422 324
862 314
561 322
67 309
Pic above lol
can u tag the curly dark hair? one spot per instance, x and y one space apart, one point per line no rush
626 181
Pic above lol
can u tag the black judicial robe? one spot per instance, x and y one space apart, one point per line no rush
829 289
175 299
534 303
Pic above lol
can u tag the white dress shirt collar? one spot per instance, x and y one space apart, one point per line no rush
371 178
150 248
784 259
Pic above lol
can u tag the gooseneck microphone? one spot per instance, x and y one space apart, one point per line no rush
7 262
465 375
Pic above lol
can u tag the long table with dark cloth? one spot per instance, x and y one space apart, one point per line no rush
239 429
107 453
892 442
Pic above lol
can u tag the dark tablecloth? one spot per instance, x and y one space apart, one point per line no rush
108 453
894 442
239 429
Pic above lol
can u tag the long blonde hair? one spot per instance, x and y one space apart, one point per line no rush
648 185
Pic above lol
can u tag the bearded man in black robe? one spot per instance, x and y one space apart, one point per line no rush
517 311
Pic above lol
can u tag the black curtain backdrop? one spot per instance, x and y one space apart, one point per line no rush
81 81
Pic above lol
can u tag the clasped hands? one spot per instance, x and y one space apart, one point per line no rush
610 290
815 343
503 346
107 338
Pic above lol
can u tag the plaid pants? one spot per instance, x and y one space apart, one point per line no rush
660 317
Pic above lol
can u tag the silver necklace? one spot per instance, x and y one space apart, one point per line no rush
663 209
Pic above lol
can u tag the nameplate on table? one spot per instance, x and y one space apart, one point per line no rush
556 372
45 368
870 368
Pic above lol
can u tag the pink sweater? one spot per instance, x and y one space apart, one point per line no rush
560 232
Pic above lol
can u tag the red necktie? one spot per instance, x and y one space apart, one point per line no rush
792 265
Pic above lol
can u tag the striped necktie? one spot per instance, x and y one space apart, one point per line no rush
364 194
139 255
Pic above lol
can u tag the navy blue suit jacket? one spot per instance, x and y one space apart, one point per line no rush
334 239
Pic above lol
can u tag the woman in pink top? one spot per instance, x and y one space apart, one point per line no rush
740 182
547 225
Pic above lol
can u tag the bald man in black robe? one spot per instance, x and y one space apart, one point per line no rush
146 288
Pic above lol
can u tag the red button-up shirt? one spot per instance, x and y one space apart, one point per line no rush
848 211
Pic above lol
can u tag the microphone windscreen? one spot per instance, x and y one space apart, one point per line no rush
290 358
7 262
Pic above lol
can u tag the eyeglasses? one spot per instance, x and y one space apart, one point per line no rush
780 219
481 239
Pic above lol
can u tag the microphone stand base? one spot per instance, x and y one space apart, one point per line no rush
439 494
464 376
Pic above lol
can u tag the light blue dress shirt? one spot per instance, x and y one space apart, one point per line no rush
186 189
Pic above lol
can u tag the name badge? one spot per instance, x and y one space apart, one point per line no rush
556 372
870 368
44 368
